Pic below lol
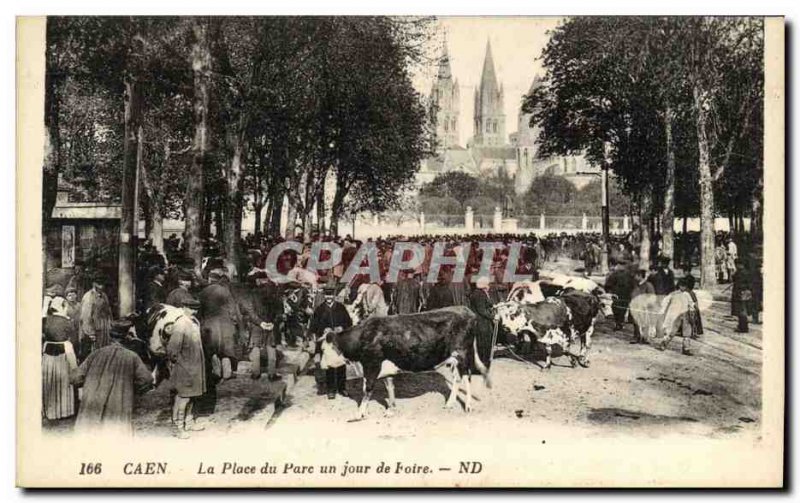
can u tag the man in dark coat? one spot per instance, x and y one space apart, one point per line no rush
261 307
481 304
187 369
742 295
330 317
180 295
219 314
111 377
406 295
663 279
96 317
621 283
155 293
440 294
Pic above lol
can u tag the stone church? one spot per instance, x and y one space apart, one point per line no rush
489 151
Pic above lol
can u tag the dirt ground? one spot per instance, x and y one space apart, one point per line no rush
627 388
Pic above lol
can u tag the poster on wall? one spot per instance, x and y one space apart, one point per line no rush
67 246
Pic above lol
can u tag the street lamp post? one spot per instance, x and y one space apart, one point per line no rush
603 205
604 209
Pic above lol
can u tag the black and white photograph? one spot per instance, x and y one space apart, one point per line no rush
401 251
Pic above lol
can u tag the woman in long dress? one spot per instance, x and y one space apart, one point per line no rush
58 361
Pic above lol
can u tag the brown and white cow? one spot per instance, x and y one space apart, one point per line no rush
417 342
565 319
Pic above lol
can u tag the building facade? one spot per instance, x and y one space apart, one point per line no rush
445 105
532 164
490 152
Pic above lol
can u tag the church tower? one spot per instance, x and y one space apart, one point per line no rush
489 121
445 104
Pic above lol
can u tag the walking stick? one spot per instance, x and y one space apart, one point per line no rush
494 340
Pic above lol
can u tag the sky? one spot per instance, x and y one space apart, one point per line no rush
517 43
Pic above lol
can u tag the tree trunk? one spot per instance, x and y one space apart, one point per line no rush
307 226
127 228
756 204
687 248
291 219
208 215
147 211
232 204
668 213
156 234
708 277
195 192
275 213
52 140
258 207
337 204
644 226
154 203
218 213
321 212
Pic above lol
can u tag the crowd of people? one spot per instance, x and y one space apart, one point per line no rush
253 317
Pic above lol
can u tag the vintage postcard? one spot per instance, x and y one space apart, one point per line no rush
431 252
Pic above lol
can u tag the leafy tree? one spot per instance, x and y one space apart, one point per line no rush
550 194
640 94
588 199
455 184
440 206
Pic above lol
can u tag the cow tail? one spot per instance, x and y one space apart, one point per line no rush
487 379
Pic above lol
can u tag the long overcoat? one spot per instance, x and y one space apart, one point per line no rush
218 312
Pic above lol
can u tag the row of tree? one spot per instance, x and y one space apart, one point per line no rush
674 106
199 118
452 192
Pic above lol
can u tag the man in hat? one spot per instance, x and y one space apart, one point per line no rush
480 301
620 283
261 307
111 378
155 293
440 295
95 317
663 279
741 295
180 295
405 296
187 366
219 315
330 318
78 279
74 314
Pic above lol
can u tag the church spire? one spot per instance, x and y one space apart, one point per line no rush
445 102
488 76
489 121
444 62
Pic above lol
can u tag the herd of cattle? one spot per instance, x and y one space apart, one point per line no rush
557 311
